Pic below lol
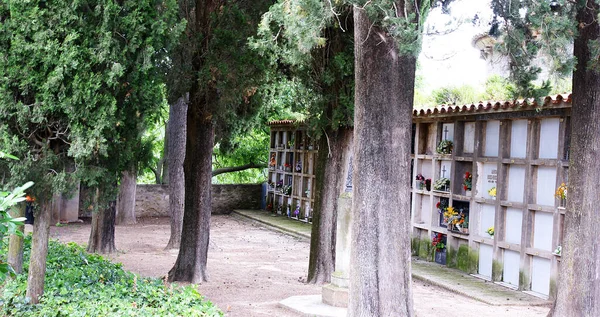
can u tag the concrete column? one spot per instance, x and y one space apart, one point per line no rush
336 293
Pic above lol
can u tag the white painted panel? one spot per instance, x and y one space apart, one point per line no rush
485 260
426 169
510 274
546 186
445 169
486 179
518 139
540 275
516 183
486 219
448 131
514 224
549 138
542 230
469 139
425 209
492 138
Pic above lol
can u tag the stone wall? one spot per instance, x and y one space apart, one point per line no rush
153 200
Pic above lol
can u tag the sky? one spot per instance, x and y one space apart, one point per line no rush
465 66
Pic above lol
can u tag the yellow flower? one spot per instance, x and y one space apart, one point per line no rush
492 191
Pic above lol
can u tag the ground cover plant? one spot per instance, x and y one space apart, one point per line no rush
83 284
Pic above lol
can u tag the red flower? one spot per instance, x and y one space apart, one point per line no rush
467 175
465 187
437 205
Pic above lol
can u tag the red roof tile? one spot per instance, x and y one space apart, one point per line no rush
557 101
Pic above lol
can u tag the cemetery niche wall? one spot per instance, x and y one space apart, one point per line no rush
485 193
291 178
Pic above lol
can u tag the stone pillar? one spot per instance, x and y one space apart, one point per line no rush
336 293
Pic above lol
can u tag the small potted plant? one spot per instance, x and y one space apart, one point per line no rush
468 183
561 194
420 182
492 192
442 184
444 147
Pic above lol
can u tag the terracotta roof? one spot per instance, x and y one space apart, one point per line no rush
285 122
557 101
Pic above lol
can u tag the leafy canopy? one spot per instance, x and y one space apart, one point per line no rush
77 80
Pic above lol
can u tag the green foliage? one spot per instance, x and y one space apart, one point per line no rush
535 30
467 260
82 284
8 224
77 80
250 148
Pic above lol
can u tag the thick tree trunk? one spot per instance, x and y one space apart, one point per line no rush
102 236
330 181
578 285
165 166
39 252
193 252
176 135
380 272
126 199
15 244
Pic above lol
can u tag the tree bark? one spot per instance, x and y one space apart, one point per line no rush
578 285
176 133
15 243
102 236
380 271
193 252
126 199
39 253
224 170
330 181
165 166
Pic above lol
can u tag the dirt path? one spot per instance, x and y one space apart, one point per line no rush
252 268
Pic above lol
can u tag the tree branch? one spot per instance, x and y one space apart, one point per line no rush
224 170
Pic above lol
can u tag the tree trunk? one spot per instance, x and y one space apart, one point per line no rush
102 236
193 252
15 244
176 134
578 285
126 199
165 166
330 181
380 271
39 252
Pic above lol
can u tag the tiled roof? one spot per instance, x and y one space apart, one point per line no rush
284 122
557 101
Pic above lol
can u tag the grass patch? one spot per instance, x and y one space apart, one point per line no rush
83 284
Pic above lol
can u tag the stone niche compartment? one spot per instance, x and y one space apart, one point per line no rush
427 138
491 138
460 169
487 175
462 208
516 183
518 139
469 138
549 137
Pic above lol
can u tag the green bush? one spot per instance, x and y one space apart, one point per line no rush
82 284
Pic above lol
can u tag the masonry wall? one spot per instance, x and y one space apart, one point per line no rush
153 200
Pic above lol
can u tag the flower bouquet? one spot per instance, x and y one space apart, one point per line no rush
420 184
492 192
442 184
468 183
561 194
444 147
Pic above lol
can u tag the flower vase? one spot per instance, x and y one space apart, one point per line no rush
420 185
468 193
562 203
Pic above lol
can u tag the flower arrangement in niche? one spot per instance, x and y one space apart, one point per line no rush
561 194
286 190
468 181
492 192
441 184
438 242
490 231
298 166
420 182
449 214
297 210
444 147
287 167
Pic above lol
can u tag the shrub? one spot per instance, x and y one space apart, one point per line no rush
82 284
